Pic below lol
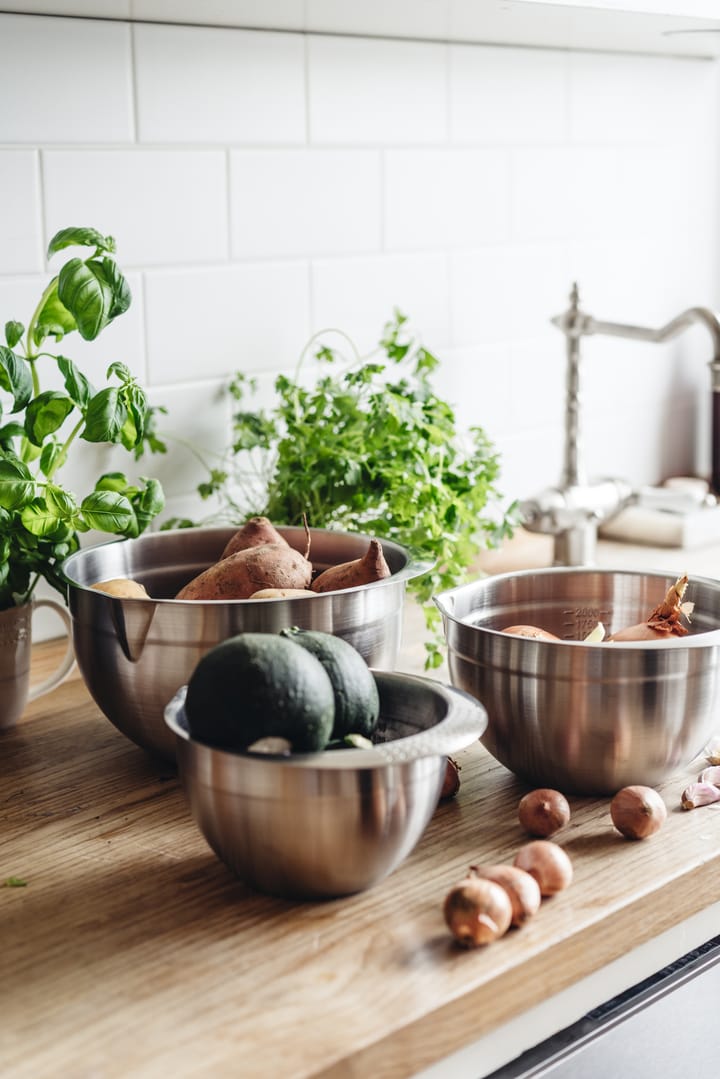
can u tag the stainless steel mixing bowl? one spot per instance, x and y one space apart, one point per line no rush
134 653
585 718
329 824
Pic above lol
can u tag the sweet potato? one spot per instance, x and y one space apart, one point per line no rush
274 565
256 532
122 586
371 567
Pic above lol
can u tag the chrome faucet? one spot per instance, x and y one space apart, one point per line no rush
572 512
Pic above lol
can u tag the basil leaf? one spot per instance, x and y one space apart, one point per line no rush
77 386
112 481
41 520
105 416
60 502
109 511
15 377
16 484
53 318
123 373
48 458
13 333
86 295
148 503
9 431
80 237
121 296
45 414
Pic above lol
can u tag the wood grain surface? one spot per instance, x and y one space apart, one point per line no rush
132 952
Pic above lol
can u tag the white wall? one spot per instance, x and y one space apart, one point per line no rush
262 185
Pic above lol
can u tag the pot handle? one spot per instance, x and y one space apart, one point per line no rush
68 660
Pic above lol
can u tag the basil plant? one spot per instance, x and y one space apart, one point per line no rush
41 428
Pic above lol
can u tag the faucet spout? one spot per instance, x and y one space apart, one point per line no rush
572 511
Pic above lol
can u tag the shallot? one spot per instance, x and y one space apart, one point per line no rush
535 632
477 911
548 863
543 812
637 812
451 780
522 888
665 621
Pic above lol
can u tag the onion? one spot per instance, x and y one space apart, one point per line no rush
637 812
531 631
543 812
548 863
522 888
451 780
664 622
477 911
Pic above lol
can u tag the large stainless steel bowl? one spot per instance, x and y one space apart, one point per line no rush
329 824
585 718
134 653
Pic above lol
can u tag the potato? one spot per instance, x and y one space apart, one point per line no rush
122 586
274 565
371 567
256 532
282 593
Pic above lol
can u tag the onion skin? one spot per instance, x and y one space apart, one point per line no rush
638 812
477 912
543 812
664 622
548 863
522 888
531 631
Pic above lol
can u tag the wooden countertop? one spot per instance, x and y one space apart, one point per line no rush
132 951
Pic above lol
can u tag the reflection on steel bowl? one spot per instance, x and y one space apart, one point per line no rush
332 823
586 718
134 653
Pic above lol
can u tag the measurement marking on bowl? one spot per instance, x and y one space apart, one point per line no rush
579 621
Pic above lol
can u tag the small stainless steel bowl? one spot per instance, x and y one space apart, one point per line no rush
332 823
585 718
134 653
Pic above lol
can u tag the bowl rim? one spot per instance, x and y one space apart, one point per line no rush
444 601
415 565
467 724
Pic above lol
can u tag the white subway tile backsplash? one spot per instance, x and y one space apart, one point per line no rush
262 185
376 91
162 206
299 202
195 429
208 84
358 296
20 241
64 80
616 98
446 198
507 95
507 293
202 324
477 382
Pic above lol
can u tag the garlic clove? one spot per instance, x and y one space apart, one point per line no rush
595 635
710 775
699 794
712 750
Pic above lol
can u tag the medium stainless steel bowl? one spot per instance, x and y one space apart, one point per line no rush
585 718
332 823
134 653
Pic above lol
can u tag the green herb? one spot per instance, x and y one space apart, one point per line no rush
39 518
370 448
14 882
